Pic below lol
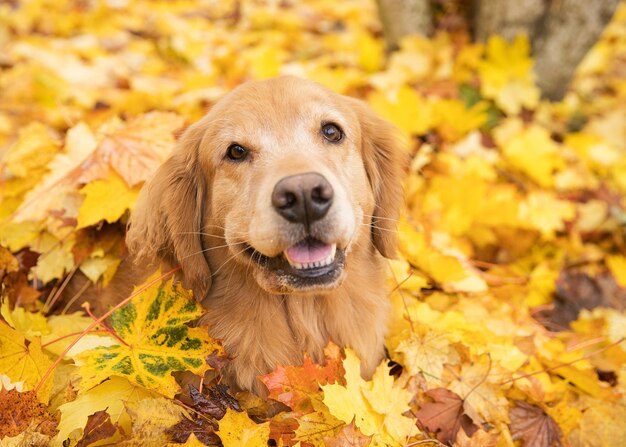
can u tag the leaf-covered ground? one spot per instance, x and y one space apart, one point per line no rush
509 299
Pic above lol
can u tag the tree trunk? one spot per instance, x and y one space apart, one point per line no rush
403 17
561 32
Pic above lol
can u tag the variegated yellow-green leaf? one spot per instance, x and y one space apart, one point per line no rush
158 341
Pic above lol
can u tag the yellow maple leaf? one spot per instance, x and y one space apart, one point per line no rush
377 406
113 191
157 341
338 79
80 143
617 266
236 429
112 396
36 145
414 247
425 351
264 60
457 200
447 270
543 212
152 417
566 415
56 257
507 74
404 277
595 150
466 62
583 378
533 152
601 425
405 108
98 267
370 51
542 285
16 236
313 427
454 120
30 324
21 363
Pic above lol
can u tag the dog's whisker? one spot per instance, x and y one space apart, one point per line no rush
228 260
251 261
210 249
381 218
213 226
230 277
199 232
378 228
235 233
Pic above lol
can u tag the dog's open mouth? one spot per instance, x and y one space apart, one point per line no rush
310 254
308 264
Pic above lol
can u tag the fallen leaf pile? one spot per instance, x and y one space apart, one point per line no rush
509 297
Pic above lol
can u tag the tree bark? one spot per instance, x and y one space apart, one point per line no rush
561 32
404 17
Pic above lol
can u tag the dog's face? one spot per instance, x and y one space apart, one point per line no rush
287 178
289 190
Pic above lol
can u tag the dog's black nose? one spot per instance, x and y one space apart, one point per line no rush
303 198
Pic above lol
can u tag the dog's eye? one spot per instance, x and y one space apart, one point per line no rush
332 132
236 152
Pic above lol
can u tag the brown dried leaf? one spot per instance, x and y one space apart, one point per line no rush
533 426
444 416
8 263
208 408
99 426
577 290
202 428
215 403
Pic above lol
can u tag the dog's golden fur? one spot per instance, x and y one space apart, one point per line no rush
201 210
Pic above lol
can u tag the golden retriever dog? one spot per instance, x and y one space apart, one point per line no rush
280 206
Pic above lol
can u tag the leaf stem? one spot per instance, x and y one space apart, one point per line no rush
63 337
102 325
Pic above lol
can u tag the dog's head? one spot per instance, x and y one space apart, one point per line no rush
283 178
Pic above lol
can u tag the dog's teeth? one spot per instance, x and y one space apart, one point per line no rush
309 265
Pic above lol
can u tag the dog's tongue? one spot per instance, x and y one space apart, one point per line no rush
309 251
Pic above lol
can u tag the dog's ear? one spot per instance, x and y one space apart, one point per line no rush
385 164
166 223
